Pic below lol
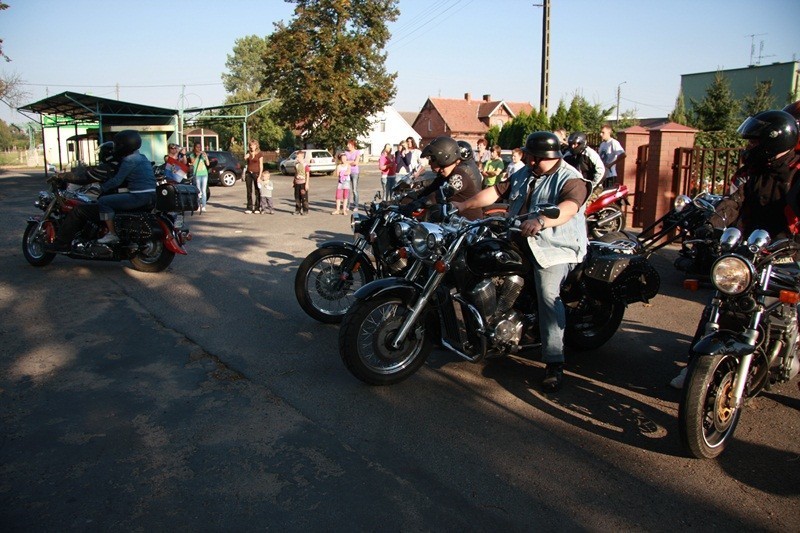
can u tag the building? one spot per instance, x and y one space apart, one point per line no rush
465 118
785 78
388 127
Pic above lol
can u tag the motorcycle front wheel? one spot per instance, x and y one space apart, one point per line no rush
365 342
591 322
153 256
33 242
705 421
323 289
615 225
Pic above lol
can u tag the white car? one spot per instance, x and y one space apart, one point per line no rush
319 162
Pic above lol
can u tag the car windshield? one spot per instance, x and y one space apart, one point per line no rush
320 154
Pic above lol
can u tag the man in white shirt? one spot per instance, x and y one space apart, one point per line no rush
611 152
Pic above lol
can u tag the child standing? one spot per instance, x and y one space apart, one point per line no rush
388 167
265 186
343 187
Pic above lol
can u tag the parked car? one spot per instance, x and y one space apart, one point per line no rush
319 161
227 170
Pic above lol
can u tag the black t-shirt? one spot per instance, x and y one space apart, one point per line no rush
461 181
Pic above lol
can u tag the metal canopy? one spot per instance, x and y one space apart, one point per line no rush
80 108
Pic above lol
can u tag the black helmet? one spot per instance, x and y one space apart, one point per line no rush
105 152
578 138
544 144
466 150
775 131
442 151
126 142
794 110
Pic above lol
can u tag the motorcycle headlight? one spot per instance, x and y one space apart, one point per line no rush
401 231
681 202
426 239
732 274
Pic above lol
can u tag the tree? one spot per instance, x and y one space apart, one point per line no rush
3 6
493 135
559 119
678 114
760 100
574 120
718 110
627 119
327 67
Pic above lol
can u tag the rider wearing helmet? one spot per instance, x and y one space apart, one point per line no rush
557 244
584 158
794 110
136 173
767 195
444 156
469 160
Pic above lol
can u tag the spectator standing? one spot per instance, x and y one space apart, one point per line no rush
481 154
611 152
353 157
198 161
343 186
265 187
516 163
413 158
254 160
176 168
402 169
302 179
492 168
387 166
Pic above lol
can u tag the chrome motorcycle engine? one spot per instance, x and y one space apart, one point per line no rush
494 297
509 328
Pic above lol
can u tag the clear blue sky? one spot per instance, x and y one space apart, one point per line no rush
438 47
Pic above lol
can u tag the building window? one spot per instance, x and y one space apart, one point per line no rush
383 126
430 126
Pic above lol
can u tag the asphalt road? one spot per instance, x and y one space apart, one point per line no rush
203 398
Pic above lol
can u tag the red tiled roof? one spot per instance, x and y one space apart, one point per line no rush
464 115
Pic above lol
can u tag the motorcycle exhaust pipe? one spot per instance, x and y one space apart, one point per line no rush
606 219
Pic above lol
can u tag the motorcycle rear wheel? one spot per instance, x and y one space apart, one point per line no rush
706 425
33 243
365 337
616 225
318 286
591 323
153 257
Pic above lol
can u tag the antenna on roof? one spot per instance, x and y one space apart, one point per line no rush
753 47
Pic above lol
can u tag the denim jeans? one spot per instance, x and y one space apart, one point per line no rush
354 189
201 182
391 181
123 201
552 314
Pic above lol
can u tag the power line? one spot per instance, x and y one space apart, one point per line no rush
119 86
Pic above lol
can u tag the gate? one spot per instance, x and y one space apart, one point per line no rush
697 170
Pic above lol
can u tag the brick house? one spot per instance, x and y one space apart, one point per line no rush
465 119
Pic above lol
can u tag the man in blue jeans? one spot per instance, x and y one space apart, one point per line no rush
557 244
136 173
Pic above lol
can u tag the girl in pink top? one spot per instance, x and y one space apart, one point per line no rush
343 187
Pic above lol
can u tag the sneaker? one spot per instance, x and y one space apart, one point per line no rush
203 209
334 212
108 238
256 212
296 213
553 377
271 212
248 211
677 381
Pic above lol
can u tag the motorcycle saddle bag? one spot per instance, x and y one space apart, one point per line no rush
621 276
177 197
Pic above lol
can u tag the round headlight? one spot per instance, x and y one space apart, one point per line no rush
732 275
680 202
401 231
425 239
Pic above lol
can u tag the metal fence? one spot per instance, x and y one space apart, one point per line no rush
697 170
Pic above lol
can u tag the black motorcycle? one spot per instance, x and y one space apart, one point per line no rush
751 338
472 301
329 276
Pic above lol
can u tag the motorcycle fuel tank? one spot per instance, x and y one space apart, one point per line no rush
495 257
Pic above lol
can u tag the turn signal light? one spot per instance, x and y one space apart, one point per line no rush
441 267
789 297
691 284
402 253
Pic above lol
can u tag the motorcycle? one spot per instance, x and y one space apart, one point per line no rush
751 338
329 276
148 237
606 213
472 301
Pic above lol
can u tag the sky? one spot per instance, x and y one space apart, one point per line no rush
171 53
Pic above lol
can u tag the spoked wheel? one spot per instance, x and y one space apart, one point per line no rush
591 323
365 342
705 419
152 257
615 225
33 242
325 283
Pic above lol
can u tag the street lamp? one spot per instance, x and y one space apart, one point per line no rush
618 91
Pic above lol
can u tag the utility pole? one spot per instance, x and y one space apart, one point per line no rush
544 91
618 93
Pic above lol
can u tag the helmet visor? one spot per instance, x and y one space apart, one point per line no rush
751 127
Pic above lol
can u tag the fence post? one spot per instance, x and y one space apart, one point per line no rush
631 139
661 193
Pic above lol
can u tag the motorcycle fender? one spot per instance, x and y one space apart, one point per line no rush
363 260
401 287
172 244
722 343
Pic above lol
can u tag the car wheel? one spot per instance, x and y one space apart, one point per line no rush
283 170
227 178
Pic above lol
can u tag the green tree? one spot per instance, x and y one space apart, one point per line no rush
559 119
718 110
574 115
327 67
760 100
493 135
678 114
627 119
3 6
